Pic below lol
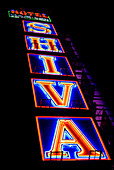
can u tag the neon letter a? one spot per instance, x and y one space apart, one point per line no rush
81 143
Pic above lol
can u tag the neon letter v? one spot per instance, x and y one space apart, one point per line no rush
47 85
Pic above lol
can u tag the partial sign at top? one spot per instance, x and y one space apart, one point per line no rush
28 15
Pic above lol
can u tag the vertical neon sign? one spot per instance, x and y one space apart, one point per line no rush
67 134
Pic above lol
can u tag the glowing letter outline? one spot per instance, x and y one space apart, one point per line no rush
43 44
45 153
54 94
84 146
46 86
49 66
38 27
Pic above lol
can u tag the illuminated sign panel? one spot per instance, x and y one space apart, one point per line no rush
72 138
76 137
43 44
48 64
38 27
58 94
28 15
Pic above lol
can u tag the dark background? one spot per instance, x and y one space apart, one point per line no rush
90 27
